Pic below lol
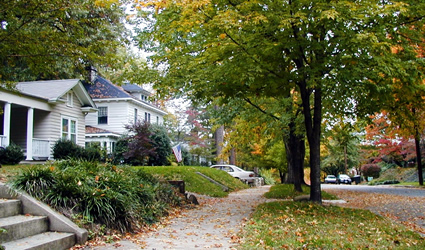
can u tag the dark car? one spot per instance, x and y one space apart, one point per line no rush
343 178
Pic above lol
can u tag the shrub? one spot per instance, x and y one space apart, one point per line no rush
162 145
11 155
119 198
66 149
93 152
371 170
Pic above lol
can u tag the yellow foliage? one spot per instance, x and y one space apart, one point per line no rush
258 150
106 3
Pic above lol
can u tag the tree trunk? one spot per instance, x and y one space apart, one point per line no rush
295 152
219 138
232 157
313 129
419 156
345 159
282 176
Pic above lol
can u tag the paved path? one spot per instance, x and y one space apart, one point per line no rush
214 224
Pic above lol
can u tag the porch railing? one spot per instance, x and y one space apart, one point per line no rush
40 149
2 141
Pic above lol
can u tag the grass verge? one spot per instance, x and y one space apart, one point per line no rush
286 191
196 183
305 225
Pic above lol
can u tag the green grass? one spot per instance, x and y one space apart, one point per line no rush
286 191
305 225
193 182
7 171
413 184
196 183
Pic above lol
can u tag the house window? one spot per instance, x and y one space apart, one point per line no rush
135 116
146 116
69 99
149 117
69 129
157 120
102 115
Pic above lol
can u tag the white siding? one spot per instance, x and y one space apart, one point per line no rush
121 113
55 121
141 113
118 116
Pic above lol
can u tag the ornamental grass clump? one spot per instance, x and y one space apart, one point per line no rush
119 198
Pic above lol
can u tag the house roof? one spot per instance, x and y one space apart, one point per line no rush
133 88
53 90
90 130
46 89
102 88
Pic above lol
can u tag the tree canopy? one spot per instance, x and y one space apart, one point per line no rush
337 55
58 39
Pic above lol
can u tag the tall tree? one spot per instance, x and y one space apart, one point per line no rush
342 146
335 54
58 39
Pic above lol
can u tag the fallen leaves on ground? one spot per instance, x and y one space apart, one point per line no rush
407 210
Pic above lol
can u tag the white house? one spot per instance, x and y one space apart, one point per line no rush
39 113
118 106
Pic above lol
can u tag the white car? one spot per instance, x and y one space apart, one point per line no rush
330 179
237 172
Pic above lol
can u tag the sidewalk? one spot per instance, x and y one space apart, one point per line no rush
214 224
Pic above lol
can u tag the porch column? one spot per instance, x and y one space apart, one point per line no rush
6 123
30 129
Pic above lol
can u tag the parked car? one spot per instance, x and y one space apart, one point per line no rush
343 178
330 179
237 172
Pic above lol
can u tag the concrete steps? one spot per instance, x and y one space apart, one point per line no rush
25 231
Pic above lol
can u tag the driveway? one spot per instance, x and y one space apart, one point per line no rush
406 205
215 223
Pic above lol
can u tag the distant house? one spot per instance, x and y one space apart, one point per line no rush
40 113
118 106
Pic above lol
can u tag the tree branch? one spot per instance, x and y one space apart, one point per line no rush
260 109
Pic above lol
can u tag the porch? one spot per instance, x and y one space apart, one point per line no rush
20 125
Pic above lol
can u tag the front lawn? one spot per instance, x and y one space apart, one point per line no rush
305 225
196 183
286 191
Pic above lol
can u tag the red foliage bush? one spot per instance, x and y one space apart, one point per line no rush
371 170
